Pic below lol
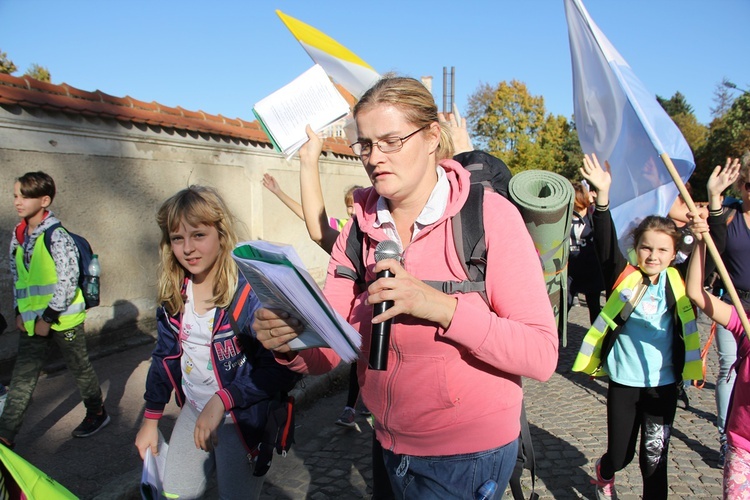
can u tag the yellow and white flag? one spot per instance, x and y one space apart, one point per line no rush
340 63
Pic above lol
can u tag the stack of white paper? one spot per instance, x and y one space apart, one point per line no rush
280 281
311 98
153 471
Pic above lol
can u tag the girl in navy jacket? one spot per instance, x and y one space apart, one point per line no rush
223 379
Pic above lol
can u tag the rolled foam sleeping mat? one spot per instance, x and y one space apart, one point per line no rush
545 200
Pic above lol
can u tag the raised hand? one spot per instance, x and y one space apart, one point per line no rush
310 151
269 182
722 178
458 129
697 224
598 177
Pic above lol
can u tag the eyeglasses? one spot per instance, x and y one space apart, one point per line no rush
387 145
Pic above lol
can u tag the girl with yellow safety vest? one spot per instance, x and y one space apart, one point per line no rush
645 339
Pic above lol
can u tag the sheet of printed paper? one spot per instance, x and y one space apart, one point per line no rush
310 99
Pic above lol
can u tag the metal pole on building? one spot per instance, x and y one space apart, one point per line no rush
445 88
453 89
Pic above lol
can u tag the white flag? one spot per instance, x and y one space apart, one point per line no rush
622 122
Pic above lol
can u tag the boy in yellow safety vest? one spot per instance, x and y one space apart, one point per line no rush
49 308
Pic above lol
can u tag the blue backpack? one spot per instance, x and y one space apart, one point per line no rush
85 254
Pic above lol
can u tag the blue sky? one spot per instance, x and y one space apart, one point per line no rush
223 56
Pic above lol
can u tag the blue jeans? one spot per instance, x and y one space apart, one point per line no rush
726 346
451 476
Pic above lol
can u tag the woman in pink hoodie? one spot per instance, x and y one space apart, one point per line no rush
447 406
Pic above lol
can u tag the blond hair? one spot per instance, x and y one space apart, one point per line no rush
415 102
349 195
196 205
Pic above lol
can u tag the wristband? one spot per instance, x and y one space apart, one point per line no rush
716 213
601 208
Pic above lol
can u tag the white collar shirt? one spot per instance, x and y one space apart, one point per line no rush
431 213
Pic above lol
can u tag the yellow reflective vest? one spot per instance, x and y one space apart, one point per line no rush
589 356
35 286
32 482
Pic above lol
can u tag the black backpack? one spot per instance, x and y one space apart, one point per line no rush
85 254
468 236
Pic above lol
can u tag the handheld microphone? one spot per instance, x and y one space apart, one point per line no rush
381 332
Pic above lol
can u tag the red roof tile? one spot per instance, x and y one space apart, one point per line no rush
29 93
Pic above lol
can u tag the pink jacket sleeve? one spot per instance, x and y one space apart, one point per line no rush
314 361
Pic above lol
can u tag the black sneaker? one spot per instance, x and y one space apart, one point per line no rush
347 418
722 454
92 424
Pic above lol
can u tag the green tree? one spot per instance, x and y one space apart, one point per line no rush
675 105
6 65
549 144
572 154
695 133
38 73
553 149
723 98
683 116
504 118
510 123
728 136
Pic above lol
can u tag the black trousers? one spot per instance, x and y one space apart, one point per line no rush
353 393
648 411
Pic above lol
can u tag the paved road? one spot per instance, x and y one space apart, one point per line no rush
567 417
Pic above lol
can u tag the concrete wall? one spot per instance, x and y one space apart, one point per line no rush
111 178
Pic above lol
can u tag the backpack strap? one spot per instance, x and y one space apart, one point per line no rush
453 287
525 460
528 450
468 237
48 235
354 246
